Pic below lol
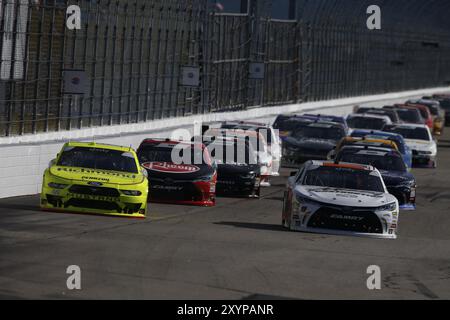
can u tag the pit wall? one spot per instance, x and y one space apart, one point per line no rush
23 159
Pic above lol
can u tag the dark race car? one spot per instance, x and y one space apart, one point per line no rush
312 141
179 172
444 100
329 118
391 113
286 124
238 170
399 181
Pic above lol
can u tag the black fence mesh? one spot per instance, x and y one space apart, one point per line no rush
133 53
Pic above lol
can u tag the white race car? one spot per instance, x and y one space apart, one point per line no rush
420 140
340 198
271 136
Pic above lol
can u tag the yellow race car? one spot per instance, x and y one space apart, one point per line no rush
96 178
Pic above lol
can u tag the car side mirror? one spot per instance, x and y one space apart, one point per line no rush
52 163
214 165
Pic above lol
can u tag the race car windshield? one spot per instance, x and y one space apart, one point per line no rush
366 123
287 125
97 158
411 133
343 178
410 116
381 161
326 132
164 154
265 132
232 153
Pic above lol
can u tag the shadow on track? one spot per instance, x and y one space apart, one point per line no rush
256 226
19 206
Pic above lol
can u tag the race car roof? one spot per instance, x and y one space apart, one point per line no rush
326 117
368 141
408 126
369 148
366 115
345 165
247 123
99 145
170 143
375 133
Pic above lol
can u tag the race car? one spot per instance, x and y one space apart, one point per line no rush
238 170
407 115
398 180
270 135
420 141
311 141
179 172
95 178
367 121
352 141
392 114
340 198
259 147
398 139
328 118
436 111
444 101
286 124
424 112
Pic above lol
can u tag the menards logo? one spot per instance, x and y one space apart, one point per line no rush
95 178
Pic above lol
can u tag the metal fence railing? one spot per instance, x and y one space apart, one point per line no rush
133 53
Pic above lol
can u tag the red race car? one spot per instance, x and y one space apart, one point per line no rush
179 172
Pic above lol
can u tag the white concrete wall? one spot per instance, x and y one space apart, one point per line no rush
23 159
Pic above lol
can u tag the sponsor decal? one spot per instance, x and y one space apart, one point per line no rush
345 217
170 167
91 197
95 184
95 178
168 188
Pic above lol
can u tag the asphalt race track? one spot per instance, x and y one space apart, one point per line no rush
237 250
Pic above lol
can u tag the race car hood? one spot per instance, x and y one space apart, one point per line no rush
228 169
344 197
96 175
397 178
311 143
177 171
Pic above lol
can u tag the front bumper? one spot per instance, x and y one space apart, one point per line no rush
423 160
405 195
438 127
276 164
79 198
183 192
363 222
345 233
230 186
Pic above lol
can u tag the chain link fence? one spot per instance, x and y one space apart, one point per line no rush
133 53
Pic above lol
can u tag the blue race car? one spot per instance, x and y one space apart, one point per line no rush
399 181
405 151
